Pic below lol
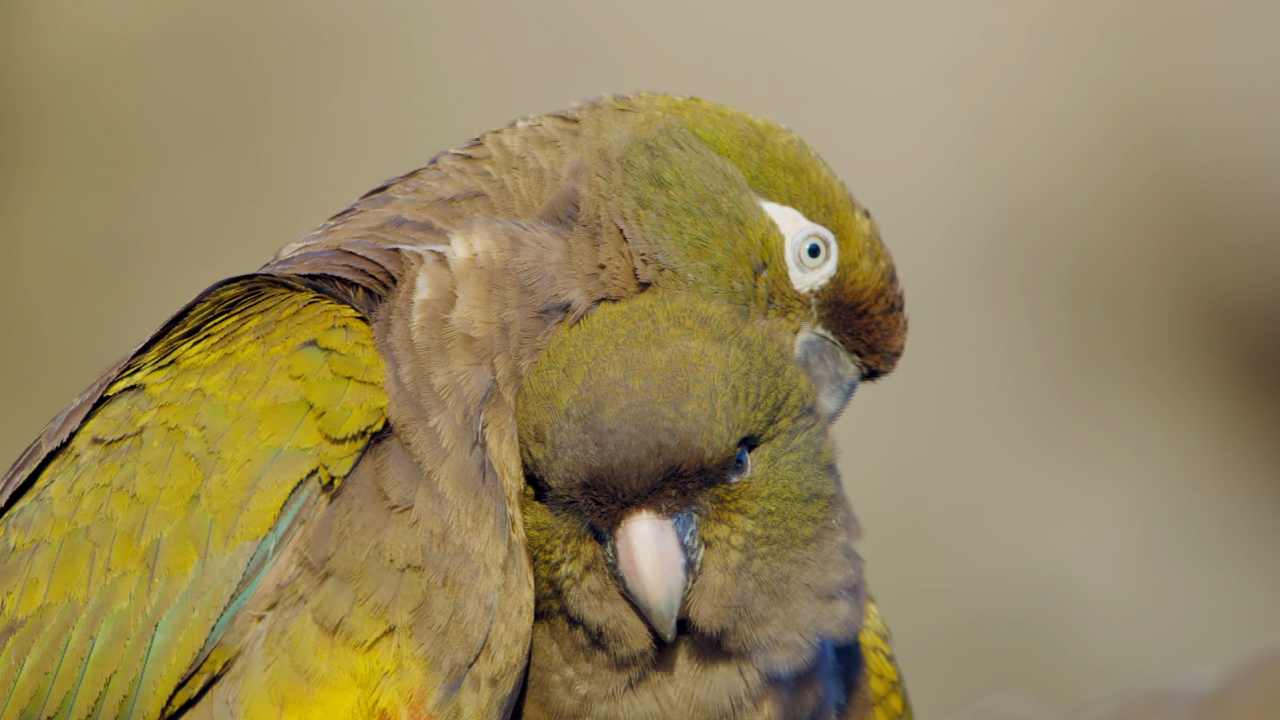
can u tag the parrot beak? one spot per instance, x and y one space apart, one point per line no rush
834 373
654 567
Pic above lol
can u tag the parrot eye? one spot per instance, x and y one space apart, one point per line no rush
811 249
741 464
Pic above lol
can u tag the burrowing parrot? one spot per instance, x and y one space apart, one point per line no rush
301 496
692 548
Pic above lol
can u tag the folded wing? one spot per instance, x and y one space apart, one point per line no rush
125 546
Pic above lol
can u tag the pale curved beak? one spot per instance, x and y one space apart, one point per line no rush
654 568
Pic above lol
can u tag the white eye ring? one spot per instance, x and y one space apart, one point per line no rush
811 250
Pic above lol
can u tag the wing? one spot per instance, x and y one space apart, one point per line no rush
878 690
150 510
206 573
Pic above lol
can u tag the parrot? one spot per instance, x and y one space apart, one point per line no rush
692 547
300 497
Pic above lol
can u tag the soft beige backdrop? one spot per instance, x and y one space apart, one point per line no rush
1073 480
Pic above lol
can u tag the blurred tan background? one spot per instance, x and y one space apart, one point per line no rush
1071 484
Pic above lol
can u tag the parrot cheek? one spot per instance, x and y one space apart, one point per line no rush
654 568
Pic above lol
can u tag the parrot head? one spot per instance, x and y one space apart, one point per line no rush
683 499
742 209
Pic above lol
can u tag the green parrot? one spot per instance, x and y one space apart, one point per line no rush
300 498
692 549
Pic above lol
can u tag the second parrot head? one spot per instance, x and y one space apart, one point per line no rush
682 480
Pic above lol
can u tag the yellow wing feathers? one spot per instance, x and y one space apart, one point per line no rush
137 535
885 694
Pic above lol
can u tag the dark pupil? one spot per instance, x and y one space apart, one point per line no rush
814 250
741 461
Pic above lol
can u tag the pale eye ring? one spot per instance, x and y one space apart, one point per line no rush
813 250
810 249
